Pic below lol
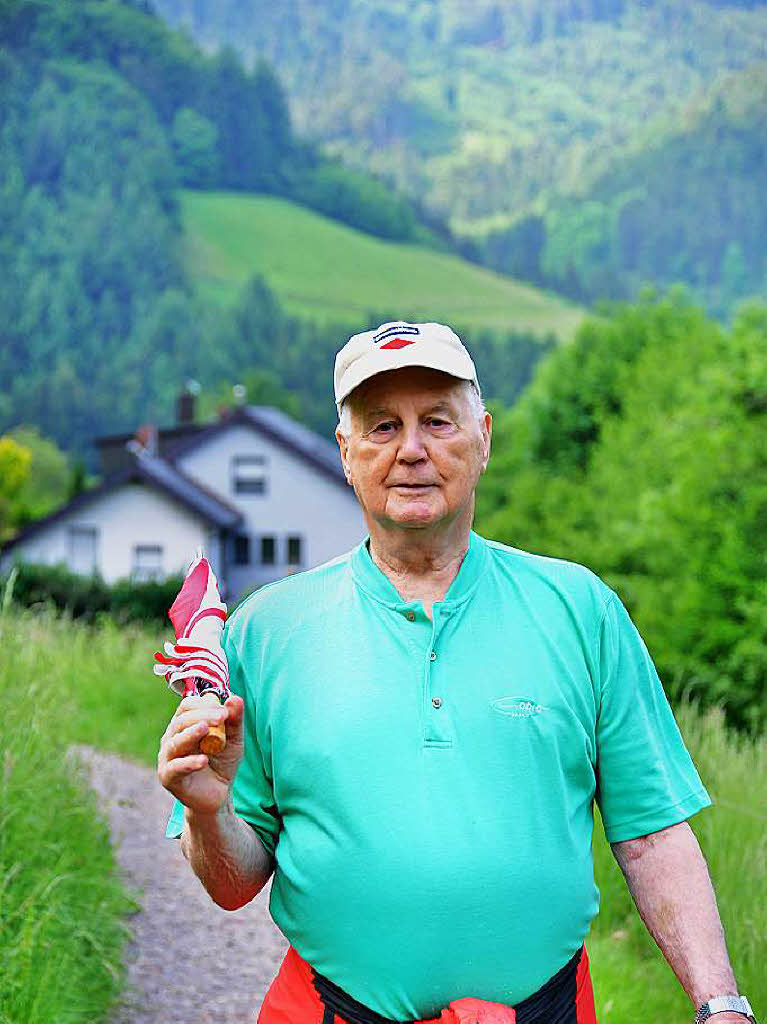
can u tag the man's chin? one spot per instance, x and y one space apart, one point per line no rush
415 515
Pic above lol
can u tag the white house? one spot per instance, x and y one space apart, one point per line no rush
260 493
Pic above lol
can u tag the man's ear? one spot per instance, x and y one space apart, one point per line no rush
488 433
343 445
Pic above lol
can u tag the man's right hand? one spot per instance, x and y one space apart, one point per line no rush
200 782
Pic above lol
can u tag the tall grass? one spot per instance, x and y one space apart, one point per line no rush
60 907
629 971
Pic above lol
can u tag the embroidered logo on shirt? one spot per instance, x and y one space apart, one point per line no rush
517 707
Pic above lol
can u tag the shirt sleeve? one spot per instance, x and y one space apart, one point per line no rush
646 779
252 791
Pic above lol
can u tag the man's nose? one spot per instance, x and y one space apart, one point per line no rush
411 446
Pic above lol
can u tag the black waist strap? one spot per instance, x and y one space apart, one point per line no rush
553 1003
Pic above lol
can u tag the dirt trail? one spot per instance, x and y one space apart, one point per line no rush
189 962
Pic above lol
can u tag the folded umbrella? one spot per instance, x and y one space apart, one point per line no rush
196 663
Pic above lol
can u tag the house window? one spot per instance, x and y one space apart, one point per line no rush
147 562
294 550
241 549
83 544
268 550
249 474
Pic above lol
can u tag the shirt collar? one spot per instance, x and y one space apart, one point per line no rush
374 582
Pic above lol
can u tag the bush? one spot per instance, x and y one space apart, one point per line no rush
85 597
144 602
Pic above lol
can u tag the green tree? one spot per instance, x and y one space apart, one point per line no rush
639 451
15 460
195 141
48 479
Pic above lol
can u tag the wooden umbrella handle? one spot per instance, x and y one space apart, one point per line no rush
214 741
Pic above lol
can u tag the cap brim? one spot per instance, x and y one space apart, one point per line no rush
455 364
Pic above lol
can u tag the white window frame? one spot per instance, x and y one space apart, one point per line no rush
149 570
301 549
249 475
87 566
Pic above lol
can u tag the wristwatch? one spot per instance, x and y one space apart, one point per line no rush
738 1004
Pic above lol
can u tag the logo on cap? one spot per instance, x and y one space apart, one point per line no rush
393 333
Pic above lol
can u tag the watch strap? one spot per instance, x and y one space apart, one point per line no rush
736 1004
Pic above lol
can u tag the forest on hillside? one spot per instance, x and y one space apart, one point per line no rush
106 112
512 121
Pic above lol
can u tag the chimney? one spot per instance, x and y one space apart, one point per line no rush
185 403
146 436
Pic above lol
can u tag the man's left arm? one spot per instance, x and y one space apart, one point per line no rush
670 885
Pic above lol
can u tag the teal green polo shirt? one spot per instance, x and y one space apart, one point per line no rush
426 786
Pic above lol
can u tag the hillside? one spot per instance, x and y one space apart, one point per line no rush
107 112
317 267
483 108
494 115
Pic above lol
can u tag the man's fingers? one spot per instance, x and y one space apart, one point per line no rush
234 714
234 706
229 713
180 766
187 740
203 713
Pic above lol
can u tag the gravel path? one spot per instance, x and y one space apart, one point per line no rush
169 982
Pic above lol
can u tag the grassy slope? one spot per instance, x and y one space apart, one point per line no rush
325 270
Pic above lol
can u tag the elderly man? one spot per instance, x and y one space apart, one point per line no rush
422 728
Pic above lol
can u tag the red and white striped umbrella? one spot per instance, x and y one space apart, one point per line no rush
196 663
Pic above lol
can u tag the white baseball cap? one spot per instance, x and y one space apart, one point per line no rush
396 344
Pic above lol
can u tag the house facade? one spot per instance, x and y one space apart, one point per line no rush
262 495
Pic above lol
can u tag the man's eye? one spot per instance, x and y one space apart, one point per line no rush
383 428
436 421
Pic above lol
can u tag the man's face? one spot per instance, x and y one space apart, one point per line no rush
416 448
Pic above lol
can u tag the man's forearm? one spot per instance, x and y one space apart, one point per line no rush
226 855
669 882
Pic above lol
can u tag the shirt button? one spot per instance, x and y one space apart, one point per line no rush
436 702
410 616
433 655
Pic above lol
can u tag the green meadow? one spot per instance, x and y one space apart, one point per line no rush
322 269
62 907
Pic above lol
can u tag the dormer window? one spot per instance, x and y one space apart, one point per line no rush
249 474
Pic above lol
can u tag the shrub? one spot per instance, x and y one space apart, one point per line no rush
85 597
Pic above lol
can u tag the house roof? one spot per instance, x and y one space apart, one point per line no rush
170 434
162 473
200 499
156 473
278 427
